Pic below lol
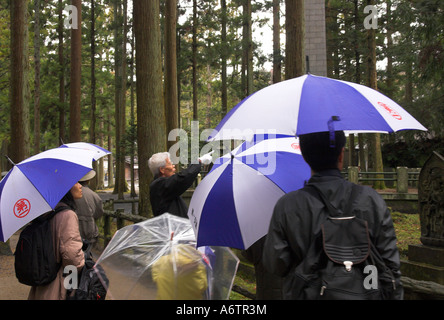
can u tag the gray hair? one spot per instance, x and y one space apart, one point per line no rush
157 161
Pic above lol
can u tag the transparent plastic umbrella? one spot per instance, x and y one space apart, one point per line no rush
158 259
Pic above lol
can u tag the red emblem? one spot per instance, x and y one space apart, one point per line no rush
295 146
392 112
22 208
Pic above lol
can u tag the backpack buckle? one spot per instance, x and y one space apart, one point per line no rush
348 265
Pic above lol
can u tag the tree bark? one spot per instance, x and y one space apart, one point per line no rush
37 76
247 49
92 130
224 93
19 118
295 65
194 60
277 60
171 97
151 131
76 73
61 75
372 83
120 94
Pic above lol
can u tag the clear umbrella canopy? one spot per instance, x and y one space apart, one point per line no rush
158 259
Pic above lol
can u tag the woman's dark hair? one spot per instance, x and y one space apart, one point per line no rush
69 200
320 151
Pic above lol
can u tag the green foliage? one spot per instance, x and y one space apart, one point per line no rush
415 82
411 153
408 231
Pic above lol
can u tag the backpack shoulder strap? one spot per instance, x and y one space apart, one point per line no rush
51 214
60 209
332 209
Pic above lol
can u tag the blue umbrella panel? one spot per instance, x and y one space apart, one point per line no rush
233 204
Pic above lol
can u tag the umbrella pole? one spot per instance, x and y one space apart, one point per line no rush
13 164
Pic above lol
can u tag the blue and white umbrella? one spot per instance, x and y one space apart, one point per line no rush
99 151
310 104
36 185
232 206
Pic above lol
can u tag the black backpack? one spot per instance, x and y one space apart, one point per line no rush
92 283
342 262
35 261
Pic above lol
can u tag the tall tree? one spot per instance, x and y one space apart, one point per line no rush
171 97
120 92
133 136
277 59
19 92
36 76
295 65
224 53
19 95
151 131
61 57
76 73
92 130
372 83
247 48
194 60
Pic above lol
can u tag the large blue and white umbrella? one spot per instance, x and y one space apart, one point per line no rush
232 206
35 185
310 104
99 151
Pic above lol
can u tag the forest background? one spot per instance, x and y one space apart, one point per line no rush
135 70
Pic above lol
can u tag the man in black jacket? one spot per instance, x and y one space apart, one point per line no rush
167 186
298 215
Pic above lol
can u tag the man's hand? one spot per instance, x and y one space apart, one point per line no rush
206 159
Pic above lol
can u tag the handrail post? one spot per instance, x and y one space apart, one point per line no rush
106 229
353 174
402 180
120 222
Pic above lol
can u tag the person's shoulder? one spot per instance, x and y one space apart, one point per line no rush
295 197
64 215
367 192
156 181
296 194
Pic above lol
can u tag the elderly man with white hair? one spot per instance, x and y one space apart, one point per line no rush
168 186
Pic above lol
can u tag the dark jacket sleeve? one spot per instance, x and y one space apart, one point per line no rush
178 183
385 241
277 253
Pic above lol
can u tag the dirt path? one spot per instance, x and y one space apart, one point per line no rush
10 288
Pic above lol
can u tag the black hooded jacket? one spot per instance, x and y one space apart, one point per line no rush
298 216
165 193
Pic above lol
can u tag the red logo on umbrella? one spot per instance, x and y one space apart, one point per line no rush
22 208
295 146
392 112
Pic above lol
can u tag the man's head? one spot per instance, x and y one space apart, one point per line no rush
160 165
319 154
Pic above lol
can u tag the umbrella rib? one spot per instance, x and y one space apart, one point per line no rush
268 178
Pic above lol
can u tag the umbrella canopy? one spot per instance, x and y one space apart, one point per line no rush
36 185
99 151
157 259
232 206
309 104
